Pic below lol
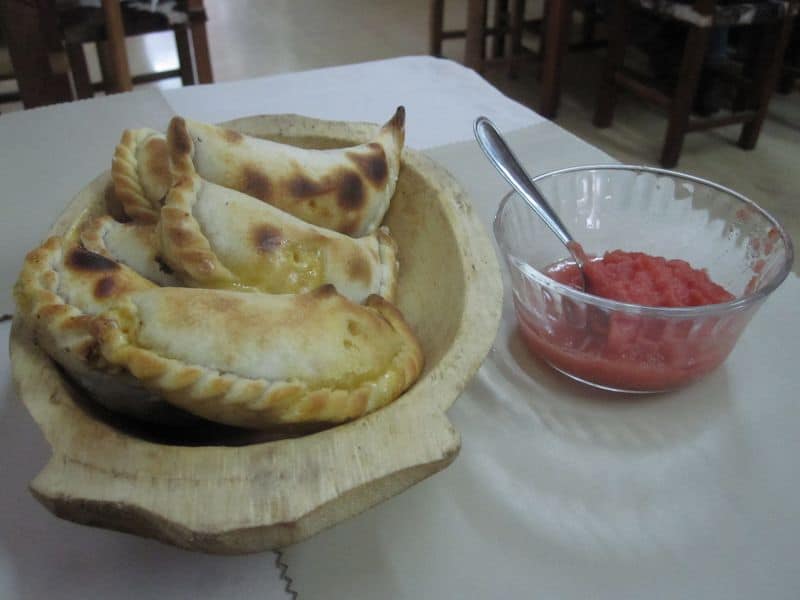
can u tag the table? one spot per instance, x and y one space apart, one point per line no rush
556 492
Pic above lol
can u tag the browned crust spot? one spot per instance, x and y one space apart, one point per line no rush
302 187
345 183
81 259
359 269
158 159
77 323
255 183
234 137
350 194
104 287
266 238
323 291
398 121
180 142
372 163
179 236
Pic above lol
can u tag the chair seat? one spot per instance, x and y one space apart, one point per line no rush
724 15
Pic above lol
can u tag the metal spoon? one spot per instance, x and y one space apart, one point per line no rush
503 159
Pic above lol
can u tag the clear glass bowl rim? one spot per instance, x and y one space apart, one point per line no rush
740 303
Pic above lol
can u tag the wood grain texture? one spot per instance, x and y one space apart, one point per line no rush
272 492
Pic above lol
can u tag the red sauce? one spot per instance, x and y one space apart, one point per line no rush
628 351
639 278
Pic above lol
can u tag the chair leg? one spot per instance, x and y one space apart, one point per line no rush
501 28
184 47
607 91
106 68
80 71
691 66
559 17
435 27
516 27
117 52
475 49
201 53
772 47
546 10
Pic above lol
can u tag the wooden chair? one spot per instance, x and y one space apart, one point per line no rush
506 34
107 26
757 83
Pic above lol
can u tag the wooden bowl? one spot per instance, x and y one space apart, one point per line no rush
219 491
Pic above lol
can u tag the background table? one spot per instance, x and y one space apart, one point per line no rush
558 491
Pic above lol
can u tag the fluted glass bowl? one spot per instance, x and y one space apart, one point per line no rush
628 347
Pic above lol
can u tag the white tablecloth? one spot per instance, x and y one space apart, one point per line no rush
561 491
558 492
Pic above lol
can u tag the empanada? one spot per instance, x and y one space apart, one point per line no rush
252 360
133 244
60 290
256 360
140 173
213 236
347 190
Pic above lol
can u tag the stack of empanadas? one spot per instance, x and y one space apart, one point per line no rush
251 283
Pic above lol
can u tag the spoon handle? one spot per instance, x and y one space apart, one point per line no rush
501 156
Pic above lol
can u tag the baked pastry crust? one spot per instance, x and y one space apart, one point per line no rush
62 285
257 360
213 236
347 189
135 245
140 173
61 288
250 360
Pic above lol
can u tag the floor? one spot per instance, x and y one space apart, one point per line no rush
259 37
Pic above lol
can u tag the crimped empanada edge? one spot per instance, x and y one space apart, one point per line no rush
257 403
127 184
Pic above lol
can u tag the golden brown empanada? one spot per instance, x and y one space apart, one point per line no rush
213 236
133 244
60 290
255 360
347 190
252 360
140 173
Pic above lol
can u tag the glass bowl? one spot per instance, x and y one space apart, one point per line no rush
628 347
